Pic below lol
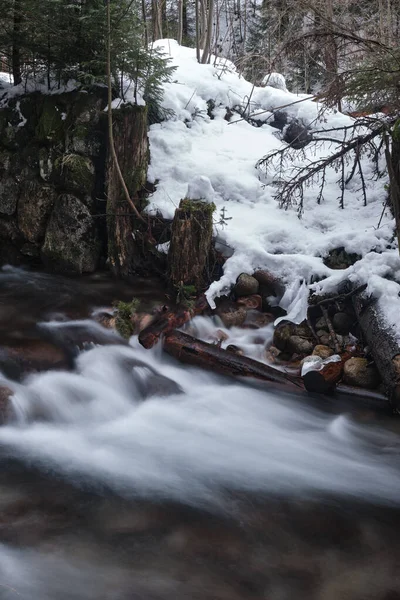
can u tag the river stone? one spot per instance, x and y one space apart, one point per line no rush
250 302
34 209
342 323
321 324
5 408
285 331
72 242
358 372
300 345
322 351
246 285
231 314
269 284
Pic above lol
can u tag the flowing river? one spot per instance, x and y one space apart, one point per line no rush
132 477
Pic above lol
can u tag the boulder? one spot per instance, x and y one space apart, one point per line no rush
9 192
246 285
72 243
358 372
34 209
322 351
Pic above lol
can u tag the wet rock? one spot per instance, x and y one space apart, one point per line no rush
235 349
358 372
256 319
232 315
5 394
250 302
322 351
246 285
285 331
342 323
300 345
153 384
269 284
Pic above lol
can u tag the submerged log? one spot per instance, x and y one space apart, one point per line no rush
190 248
383 344
170 320
194 352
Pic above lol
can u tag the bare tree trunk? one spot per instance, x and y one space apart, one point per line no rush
16 56
197 17
156 9
144 17
207 45
180 22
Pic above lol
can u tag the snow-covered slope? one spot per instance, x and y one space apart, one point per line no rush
191 148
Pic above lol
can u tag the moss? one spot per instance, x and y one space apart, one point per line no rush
123 317
51 126
193 206
78 172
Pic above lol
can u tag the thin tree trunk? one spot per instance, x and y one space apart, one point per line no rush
144 17
197 17
207 45
16 55
156 8
180 22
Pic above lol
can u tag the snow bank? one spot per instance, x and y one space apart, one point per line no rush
222 154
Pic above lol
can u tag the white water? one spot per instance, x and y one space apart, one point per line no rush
94 426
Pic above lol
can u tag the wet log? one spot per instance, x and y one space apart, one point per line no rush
382 343
323 380
194 352
190 247
169 320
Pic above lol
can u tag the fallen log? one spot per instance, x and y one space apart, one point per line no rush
170 320
194 352
323 376
382 343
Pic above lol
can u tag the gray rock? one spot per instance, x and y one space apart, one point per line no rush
358 372
321 324
285 331
9 192
72 242
300 345
34 209
246 285
342 323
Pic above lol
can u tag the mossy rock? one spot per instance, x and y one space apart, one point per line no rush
78 173
123 317
340 259
87 139
51 126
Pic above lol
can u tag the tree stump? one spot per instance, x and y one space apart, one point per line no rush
190 248
132 148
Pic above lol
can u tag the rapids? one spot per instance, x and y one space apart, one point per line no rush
133 476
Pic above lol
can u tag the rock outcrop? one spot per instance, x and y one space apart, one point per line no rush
53 184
